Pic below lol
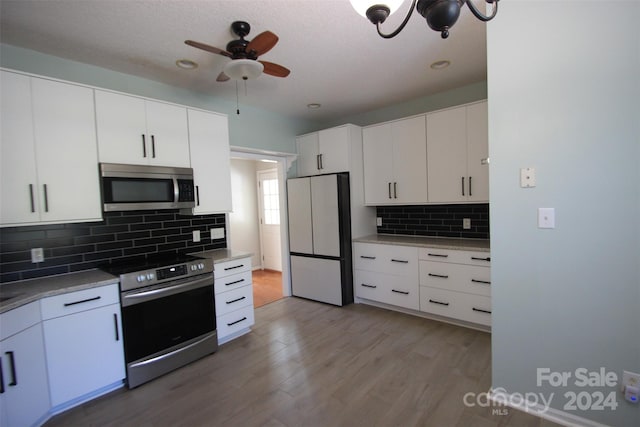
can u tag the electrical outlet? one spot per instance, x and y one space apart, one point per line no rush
217 233
630 379
466 223
196 235
379 221
37 255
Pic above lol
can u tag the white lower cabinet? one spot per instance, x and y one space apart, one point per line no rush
234 298
456 284
387 274
83 338
24 400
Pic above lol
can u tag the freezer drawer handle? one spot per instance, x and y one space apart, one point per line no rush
400 292
401 261
237 321
442 276
234 267
481 259
367 257
236 300
14 378
368 286
432 301
481 311
67 304
235 282
439 255
486 282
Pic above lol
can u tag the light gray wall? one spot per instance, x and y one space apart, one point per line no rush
563 94
244 229
268 130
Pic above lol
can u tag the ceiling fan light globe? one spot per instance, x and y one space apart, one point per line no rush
441 15
243 69
362 6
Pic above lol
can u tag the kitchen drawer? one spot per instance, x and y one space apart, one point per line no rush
233 281
456 305
387 288
456 277
455 256
227 302
19 319
235 321
75 302
369 285
228 268
390 259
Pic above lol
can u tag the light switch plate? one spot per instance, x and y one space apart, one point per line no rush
546 218
527 177
37 255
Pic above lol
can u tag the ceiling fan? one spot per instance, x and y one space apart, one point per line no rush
244 54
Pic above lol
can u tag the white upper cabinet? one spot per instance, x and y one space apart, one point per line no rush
133 130
457 148
48 152
395 162
210 160
326 151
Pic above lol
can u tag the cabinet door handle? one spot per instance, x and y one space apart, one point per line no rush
321 162
33 205
234 267
318 161
395 190
235 282
481 259
486 282
401 261
12 361
237 321
390 190
470 193
1 377
46 198
144 146
67 304
236 300
481 310
153 146
439 255
115 323
432 301
438 275
368 286
197 195
463 185
367 257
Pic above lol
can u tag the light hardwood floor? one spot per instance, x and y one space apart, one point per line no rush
267 287
311 364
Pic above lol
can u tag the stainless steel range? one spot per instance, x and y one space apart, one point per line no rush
168 314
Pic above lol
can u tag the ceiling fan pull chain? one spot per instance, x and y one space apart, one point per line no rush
237 105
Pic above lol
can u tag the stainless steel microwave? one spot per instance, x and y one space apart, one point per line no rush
140 187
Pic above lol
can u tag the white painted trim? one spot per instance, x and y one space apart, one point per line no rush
258 154
551 414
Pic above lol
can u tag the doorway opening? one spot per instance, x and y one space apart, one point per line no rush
258 221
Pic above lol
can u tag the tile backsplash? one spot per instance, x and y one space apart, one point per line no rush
435 220
81 246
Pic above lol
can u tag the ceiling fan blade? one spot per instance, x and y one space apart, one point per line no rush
274 69
207 48
222 77
262 43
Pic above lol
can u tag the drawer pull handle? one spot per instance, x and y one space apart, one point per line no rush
439 255
236 300
12 360
367 257
368 286
481 259
234 267
237 321
402 261
481 310
233 283
486 282
442 276
432 301
400 292
67 304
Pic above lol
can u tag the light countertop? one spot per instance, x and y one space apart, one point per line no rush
222 255
480 245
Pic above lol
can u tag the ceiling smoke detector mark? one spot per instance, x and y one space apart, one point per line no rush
186 64
440 65
314 106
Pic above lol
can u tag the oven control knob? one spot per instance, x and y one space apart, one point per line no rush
150 276
201 266
193 267
141 278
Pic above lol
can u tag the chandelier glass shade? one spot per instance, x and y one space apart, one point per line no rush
243 69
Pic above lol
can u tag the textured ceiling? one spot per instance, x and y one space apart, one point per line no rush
335 56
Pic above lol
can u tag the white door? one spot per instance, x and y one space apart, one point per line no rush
269 204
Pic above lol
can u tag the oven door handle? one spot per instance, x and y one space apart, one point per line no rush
138 297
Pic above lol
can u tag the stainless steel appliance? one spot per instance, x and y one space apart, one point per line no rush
140 187
168 314
320 238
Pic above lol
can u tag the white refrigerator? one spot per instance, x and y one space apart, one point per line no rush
320 238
